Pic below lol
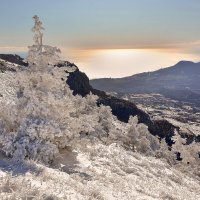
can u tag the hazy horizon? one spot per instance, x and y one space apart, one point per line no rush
107 38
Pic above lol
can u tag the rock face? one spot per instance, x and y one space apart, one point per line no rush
4 67
79 83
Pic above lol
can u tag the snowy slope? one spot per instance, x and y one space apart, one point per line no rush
102 172
91 165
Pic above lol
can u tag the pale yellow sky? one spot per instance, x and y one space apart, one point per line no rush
98 63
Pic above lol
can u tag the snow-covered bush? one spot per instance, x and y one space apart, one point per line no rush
189 153
139 138
45 117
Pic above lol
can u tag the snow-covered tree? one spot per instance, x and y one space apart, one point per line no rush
38 53
37 29
140 138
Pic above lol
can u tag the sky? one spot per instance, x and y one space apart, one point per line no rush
107 38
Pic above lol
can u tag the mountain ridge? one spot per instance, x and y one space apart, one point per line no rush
180 82
178 64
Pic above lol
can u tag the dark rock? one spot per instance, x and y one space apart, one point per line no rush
13 59
79 83
163 129
123 109
4 68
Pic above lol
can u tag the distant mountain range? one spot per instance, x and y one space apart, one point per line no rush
180 82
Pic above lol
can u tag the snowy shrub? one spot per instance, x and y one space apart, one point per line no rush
140 138
189 153
32 140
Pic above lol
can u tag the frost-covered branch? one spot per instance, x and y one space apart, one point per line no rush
38 53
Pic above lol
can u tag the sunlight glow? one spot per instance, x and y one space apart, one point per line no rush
116 63
125 62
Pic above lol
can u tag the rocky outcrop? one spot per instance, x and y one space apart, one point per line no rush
13 59
4 68
79 83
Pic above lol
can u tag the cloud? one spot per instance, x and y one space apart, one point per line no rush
12 49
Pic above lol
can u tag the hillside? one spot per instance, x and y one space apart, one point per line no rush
122 109
100 172
61 139
180 82
93 155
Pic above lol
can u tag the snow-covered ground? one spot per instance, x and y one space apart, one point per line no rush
98 172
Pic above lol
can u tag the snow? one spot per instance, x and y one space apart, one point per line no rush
106 172
9 64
